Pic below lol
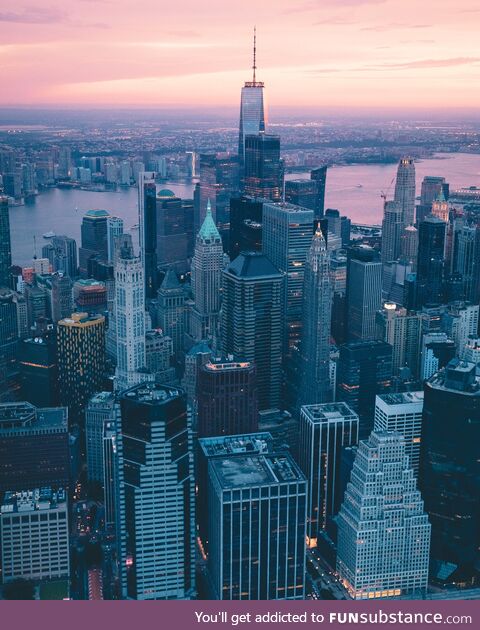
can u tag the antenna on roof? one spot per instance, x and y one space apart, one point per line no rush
34 247
254 67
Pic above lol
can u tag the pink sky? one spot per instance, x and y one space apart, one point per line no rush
330 53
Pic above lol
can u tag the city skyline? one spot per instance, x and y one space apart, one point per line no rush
349 54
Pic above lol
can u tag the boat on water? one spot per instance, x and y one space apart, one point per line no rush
135 227
48 235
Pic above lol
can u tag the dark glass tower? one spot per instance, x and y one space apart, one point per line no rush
94 239
319 176
364 370
147 205
172 237
246 218
263 168
5 246
449 470
430 261
227 398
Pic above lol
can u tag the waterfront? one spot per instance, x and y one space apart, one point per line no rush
355 190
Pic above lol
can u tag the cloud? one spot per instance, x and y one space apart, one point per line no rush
431 63
334 21
380 28
314 6
34 15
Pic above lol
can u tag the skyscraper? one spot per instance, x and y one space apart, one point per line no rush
252 320
409 246
94 239
129 314
81 361
364 291
8 340
324 430
319 176
317 310
431 261
171 235
252 112
171 312
65 255
383 531
405 190
403 331
246 218
114 230
449 477
286 241
207 265
156 507
147 209
99 415
364 370
263 172
227 398
38 370
440 207
467 260
392 228
5 247
256 549
402 413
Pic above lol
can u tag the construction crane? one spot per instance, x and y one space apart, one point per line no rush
383 194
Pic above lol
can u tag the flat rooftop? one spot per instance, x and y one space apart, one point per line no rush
255 470
236 444
24 417
152 393
403 398
328 412
40 499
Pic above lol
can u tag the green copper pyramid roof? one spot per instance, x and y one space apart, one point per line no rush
208 231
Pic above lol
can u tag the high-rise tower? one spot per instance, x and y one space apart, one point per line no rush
317 309
207 266
5 247
405 189
392 227
252 112
129 313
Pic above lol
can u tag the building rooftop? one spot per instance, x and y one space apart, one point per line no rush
403 398
256 469
328 412
23 417
208 230
457 376
40 499
81 318
97 214
291 208
166 192
218 365
236 444
151 393
252 265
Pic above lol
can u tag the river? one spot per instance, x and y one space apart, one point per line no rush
354 190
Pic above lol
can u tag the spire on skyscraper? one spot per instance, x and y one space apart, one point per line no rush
254 67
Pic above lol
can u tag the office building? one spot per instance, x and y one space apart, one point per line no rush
405 190
5 246
286 240
437 351
155 479
317 310
158 356
449 477
147 213
114 230
129 314
206 278
246 216
263 173
460 321
392 229
252 321
430 261
440 207
402 413
34 447
252 110
171 235
90 296
467 260
227 398
383 530
403 331
171 312
35 535
81 361
364 369
65 255
256 550
364 292
38 370
99 417
8 340
94 239
324 431
319 176
409 246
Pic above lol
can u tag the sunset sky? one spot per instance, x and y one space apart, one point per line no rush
330 53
